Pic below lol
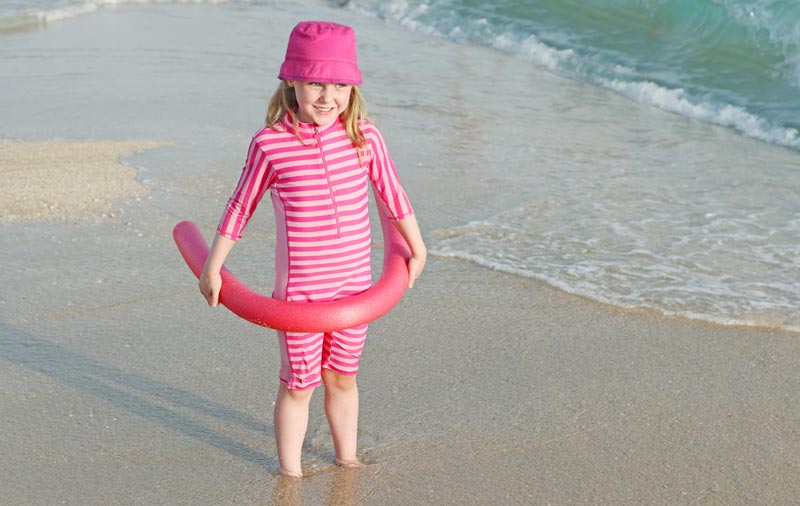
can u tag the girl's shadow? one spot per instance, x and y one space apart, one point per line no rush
110 384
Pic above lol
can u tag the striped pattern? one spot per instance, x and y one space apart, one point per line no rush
304 355
319 192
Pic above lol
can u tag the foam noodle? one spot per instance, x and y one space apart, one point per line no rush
307 316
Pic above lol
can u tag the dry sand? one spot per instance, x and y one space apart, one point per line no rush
66 179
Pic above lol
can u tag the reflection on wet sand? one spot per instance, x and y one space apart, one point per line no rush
341 488
287 492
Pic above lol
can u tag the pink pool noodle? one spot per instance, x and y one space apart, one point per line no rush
306 316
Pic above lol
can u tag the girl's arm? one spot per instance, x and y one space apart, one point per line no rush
210 280
238 211
409 229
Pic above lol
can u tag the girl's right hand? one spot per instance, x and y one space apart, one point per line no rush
210 285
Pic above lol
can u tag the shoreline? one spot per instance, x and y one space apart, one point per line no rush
85 167
561 402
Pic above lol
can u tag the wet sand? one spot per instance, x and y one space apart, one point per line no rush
118 386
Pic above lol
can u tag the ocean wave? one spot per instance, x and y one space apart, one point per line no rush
756 43
32 18
772 22
617 285
677 101
770 318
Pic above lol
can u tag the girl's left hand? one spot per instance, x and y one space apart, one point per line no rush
210 285
415 267
410 231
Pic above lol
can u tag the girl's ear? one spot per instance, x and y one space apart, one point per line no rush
290 84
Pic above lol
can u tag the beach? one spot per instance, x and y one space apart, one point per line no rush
119 386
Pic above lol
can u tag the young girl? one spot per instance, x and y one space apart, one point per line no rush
314 158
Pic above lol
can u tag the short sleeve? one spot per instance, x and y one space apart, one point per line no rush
383 174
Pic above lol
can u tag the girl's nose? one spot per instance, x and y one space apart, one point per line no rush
326 92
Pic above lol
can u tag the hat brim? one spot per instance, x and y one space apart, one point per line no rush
321 72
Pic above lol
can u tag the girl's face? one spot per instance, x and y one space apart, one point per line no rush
320 103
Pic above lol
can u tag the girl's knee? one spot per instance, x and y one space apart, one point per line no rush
336 381
297 395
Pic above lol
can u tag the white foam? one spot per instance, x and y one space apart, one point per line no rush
709 254
411 15
533 50
30 18
769 317
675 100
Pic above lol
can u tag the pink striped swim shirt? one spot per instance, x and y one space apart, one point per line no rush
319 192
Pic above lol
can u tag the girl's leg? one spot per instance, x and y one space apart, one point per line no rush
291 422
341 408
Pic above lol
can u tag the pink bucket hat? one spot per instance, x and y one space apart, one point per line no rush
323 52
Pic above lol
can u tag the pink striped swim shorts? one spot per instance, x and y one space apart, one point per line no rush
304 355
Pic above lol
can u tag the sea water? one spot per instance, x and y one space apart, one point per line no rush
603 195
707 230
27 14
731 62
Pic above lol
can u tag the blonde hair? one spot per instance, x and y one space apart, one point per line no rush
284 101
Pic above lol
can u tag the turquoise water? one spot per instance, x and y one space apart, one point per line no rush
684 224
731 62
584 182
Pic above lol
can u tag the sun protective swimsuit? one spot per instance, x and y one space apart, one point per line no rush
320 196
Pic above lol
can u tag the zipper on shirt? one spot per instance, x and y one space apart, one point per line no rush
318 138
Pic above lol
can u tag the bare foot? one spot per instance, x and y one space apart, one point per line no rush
290 474
350 464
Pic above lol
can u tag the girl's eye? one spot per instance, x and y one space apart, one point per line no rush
316 85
